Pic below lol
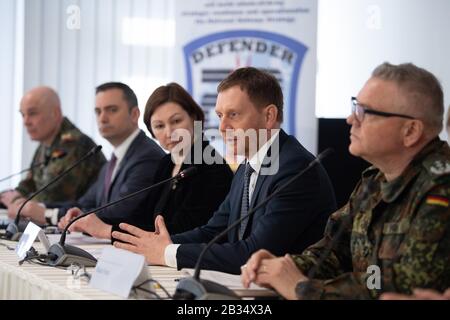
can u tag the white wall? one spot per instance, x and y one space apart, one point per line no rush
75 60
11 64
7 31
38 48
354 36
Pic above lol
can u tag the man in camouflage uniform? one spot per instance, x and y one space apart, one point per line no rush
61 145
423 294
393 235
131 167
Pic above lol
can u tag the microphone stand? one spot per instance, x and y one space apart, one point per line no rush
193 287
12 231
44 163
62 254
24 170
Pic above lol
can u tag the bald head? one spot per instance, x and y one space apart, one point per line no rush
41 111
43 97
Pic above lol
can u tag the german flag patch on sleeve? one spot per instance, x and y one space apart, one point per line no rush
437 201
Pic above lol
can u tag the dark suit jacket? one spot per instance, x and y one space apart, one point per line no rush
136 171
289 223
193 200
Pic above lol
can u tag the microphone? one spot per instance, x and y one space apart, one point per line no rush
193 287
12 231
56 156
62 254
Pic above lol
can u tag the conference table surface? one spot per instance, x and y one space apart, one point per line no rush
38 282
32 281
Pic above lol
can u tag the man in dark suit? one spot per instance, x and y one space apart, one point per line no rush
250 108
131 167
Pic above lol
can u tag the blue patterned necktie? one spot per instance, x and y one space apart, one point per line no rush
245 198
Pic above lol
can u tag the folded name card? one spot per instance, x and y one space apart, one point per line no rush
117 271
28 237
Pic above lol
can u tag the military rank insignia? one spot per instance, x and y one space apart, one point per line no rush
437 201
440 167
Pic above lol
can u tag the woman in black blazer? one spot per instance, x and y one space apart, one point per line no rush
190 202
171 116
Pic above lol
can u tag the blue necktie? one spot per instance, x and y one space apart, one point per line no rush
245 198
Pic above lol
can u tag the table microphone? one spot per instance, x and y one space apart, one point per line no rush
60 155
62 254
12 231
193 287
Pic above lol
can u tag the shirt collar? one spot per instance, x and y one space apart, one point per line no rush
257 160
122 149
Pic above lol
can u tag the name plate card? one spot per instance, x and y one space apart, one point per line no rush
28 237
117 271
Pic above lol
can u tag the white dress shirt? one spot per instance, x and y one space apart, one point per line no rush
170 252
119 152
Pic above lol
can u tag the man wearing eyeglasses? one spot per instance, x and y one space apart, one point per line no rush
393 235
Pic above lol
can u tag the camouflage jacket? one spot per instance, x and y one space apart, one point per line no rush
399 228
74 144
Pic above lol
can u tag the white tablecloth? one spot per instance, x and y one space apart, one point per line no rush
30 281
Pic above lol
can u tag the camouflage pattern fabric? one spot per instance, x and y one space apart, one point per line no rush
401 227
74 144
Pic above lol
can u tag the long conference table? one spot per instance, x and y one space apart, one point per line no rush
30 281
36 282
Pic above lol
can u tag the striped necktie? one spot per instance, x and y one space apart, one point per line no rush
109 173
245 198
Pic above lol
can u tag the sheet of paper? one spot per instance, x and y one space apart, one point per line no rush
228 280
96 253
77 239
3 214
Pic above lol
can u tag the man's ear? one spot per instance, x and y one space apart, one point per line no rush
413 131
135 113
271 115
56 113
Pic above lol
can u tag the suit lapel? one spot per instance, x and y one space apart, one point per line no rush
131 150
100 193
235 208
261 179
255 195
274 160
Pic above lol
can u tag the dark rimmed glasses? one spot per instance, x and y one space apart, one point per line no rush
360 110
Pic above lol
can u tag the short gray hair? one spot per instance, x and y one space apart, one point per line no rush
422 89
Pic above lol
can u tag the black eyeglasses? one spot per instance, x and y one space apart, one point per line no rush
359 111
